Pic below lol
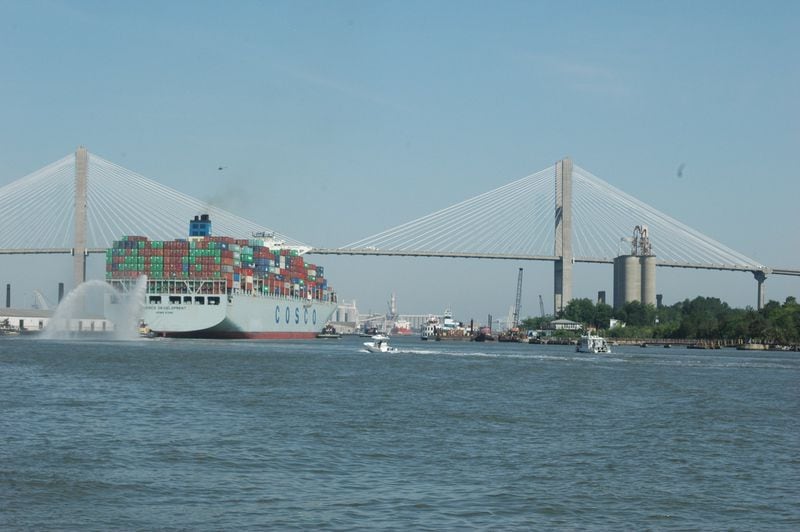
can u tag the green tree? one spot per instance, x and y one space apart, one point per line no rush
636 313
603 315
756 325
733 325
793 309
536 323
581 310
781 326
701 317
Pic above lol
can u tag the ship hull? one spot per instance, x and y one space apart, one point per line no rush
239 335
239 316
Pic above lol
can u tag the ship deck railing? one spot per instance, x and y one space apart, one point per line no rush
217 287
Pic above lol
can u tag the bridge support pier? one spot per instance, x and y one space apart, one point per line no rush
760 276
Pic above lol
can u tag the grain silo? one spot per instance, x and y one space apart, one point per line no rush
648 276
627 280
635 274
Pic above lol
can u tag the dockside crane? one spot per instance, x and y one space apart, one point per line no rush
519 300
512 334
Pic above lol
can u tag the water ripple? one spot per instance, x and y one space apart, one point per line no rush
185 435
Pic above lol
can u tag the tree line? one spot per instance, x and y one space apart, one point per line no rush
701 317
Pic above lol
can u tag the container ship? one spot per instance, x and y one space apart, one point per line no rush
208 286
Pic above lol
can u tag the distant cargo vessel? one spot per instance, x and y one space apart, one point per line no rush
221 287
402 328
445 329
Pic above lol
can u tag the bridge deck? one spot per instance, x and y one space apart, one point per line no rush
456 255
550 258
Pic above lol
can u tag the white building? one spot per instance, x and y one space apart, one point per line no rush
565 325
35 320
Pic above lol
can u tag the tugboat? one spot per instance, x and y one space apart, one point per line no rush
484 335
329 333
145 331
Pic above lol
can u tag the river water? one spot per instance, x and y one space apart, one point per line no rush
222 435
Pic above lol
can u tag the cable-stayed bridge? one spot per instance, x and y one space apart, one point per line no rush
562 214
81 203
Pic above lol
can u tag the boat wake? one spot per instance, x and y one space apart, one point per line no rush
482 354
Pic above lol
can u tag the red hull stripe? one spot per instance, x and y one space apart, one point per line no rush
241 335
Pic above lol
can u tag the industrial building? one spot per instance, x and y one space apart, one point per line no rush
635 274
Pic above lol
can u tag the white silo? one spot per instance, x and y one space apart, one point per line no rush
648 279
627 280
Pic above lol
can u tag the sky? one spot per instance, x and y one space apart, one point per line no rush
337 120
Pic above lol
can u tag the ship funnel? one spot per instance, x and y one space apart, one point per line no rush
200 226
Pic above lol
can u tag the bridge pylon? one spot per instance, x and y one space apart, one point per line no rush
79 247
562 287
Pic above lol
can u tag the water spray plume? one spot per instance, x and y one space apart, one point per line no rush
125 317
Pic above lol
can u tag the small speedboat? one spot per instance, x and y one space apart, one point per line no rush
379 344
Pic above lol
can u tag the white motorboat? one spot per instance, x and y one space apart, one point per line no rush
379 344
590 343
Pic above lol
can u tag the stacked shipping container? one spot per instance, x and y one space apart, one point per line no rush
245 265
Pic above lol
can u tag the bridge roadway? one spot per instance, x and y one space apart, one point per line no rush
445 254
594 260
